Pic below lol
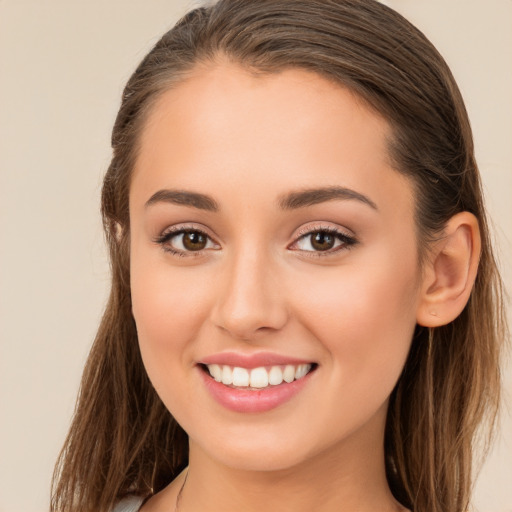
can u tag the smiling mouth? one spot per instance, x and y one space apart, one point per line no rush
257 378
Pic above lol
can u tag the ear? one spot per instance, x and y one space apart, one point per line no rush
450 273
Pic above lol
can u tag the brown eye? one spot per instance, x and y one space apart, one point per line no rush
186 241
194 240
322 240
327 241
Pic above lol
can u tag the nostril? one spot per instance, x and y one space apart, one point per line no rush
248 308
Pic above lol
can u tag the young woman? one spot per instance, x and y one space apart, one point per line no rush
305 310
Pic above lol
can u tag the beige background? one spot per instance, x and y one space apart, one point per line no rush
63 64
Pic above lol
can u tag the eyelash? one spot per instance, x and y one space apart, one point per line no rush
347 241
164 239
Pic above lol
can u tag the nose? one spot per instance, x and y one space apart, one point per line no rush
250 300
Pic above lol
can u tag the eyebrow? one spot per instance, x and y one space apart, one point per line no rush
310 197
291 201
184 198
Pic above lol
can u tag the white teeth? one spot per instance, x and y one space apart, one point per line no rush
240 377
216 372
289 373
257 378
275 376
301 370
227 375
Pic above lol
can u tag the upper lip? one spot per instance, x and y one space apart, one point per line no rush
249 361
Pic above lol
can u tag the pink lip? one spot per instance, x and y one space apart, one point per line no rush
250 361
253 401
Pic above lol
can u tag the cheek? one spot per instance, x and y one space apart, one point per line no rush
169 308
365 317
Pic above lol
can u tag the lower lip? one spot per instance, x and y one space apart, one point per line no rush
260 400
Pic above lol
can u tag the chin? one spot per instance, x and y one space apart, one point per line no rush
259 451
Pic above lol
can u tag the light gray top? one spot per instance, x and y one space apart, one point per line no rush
129 504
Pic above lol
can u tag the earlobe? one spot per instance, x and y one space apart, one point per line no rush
450 272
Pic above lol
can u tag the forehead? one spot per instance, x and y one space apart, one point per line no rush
224 95
290 129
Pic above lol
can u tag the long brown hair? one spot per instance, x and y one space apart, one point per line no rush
122 439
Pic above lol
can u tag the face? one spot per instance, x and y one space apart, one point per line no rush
274 265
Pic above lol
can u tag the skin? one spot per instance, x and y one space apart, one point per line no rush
247 141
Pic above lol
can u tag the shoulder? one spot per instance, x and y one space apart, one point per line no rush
129 504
